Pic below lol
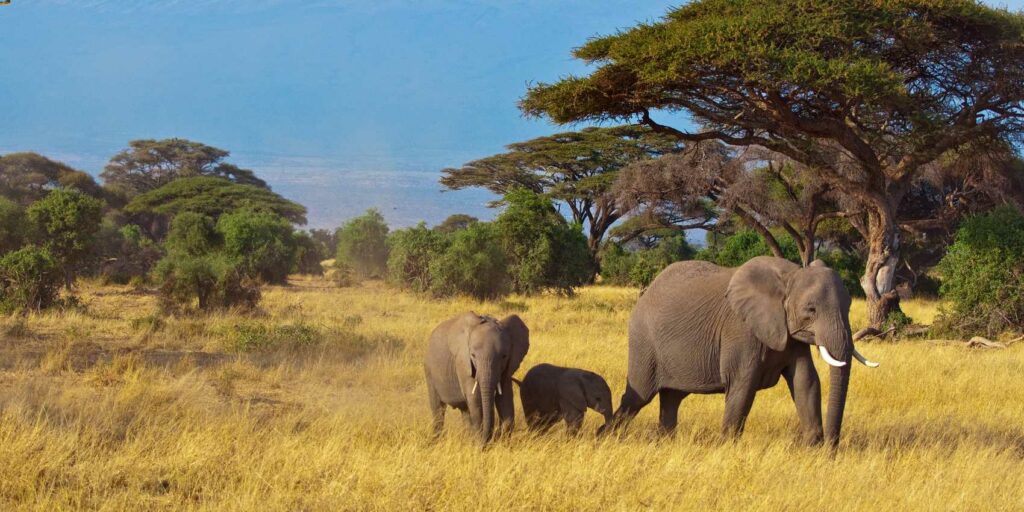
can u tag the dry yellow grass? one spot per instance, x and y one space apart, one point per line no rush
112 409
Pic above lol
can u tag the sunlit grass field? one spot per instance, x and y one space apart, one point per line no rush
318 403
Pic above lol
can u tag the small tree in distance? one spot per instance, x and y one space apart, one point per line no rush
67 222
362 244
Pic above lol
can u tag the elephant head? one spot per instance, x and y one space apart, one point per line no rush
496 348
779 301
587 390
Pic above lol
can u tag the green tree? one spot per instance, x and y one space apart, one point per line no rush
543 250
639 267
866 94
575 167
456 222
308 255
30 280
67 222
212 281
410 252
192 234
983 275
213 197
27 177
474 264
362 244
262 243
150 164
125 253
12 226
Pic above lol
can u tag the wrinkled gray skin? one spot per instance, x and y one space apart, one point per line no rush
551 393
473 349
701 328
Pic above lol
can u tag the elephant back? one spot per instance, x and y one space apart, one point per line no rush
676 274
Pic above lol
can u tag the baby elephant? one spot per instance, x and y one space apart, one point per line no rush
550 393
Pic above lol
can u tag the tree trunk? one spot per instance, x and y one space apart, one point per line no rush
880 267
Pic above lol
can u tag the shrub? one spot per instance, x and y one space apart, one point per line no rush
30 280
745 244
12 226
456 222
543 250
410 252
639 268
125 254
341 275
66 223
262 244
362 244
848 265
308 255
983 275
192 234
473 264
212 281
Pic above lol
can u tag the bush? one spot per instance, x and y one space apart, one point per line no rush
543 250
848 265
66 223
362 244
212 281
12 226
410 252
639 268
262 244
983 275
192 234
745 244
125 254
308 255
30 280
473 264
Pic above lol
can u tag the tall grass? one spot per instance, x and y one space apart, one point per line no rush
113 408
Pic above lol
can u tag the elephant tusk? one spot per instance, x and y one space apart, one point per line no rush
473 391
829 359
863 360
499 388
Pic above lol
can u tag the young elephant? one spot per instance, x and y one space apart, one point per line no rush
469 359
550 393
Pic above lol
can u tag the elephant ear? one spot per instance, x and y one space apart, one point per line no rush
520 336
757 292
466 323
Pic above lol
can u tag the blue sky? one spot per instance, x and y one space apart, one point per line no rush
340 105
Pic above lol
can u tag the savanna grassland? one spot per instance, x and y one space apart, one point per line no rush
318 402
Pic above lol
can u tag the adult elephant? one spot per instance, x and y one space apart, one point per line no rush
701 328
470 358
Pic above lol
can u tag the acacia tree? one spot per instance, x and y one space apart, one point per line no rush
865 93
149 164
28 177
577 168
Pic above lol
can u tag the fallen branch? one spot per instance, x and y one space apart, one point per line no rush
979 342
871 332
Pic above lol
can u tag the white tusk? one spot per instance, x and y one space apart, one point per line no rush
863 360
499 388
474 389
829 359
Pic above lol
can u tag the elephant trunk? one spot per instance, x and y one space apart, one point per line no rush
487 385
839 343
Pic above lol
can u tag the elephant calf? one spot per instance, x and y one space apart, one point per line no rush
469 365
550 393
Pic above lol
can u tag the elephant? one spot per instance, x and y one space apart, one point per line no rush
470 358
701 328
550 393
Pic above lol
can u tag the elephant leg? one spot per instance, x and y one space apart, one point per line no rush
573 421
630 404
669 400
436 409
738 400
506 409
805 388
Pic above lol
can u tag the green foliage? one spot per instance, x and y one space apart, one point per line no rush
983 275
124 254
307 255
66 222
362 244
638 268
456 222
745 244
12 226
30 280
473 264
213 197
27 177
211 281
849 266
410 252
192 234
543 250
262 243
150 164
